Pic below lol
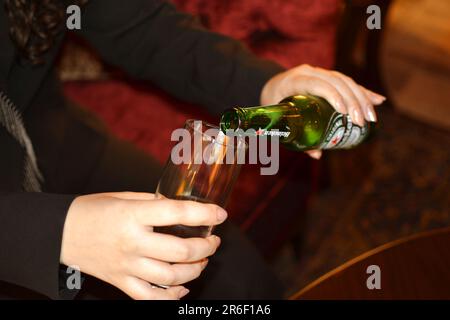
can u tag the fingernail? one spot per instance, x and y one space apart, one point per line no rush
183 292
379 98
221 214
371 115
316 155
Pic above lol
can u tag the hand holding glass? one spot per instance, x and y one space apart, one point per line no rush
204 168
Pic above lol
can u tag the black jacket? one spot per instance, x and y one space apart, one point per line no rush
150 40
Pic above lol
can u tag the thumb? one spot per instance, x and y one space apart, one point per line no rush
315 154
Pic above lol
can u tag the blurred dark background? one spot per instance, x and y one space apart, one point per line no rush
315 215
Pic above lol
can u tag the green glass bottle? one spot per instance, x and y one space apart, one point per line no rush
301 122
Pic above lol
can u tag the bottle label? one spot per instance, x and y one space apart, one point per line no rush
272 133
342 133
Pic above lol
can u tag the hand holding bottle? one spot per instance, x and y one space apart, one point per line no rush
110 236
339 90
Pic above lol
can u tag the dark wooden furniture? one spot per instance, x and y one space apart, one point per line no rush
416 267
358 48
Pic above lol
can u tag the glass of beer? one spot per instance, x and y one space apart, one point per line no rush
203 166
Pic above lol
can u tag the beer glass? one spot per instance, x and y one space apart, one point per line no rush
203 166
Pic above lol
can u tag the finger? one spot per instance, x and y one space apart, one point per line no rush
171 212
131 195
318 87
371 113
364 101
350 100
354 106
173 249
376 98
315 154
166 274
139 289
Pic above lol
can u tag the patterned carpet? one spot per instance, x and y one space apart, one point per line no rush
395 185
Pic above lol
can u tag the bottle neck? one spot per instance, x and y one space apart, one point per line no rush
232 119
252 117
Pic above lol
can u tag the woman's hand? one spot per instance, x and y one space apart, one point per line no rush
110 236
339 90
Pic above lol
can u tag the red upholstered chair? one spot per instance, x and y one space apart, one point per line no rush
289 32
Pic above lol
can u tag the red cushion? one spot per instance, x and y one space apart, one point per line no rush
289 32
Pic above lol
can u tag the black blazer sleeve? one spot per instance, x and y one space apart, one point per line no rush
151 40
31 227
